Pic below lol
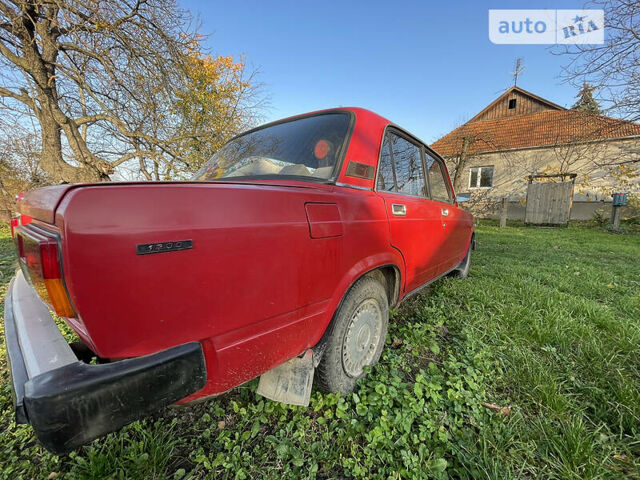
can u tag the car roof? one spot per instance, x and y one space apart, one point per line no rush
362 114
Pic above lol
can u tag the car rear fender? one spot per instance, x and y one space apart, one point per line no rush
386 266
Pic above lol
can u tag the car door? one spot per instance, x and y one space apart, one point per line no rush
456 223
415 223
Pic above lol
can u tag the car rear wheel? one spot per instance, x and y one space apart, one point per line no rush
462 271
356 338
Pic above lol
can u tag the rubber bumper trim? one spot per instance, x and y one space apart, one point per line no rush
73 404
70 406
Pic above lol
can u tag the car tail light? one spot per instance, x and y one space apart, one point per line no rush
20 245
14 224
40 261
19 220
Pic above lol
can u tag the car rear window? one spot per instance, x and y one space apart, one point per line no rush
308 147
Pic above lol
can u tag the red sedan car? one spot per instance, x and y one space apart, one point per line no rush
280 258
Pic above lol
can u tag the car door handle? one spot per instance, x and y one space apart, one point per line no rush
445 212
399 209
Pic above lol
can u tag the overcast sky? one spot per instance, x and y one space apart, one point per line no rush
428 66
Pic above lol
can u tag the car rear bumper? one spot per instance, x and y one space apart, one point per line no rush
70 403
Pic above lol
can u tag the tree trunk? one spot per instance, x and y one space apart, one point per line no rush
40 64
53 122
462 160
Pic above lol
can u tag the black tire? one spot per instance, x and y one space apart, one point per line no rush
462 271
355 323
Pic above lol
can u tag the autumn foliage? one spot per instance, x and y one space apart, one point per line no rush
211 103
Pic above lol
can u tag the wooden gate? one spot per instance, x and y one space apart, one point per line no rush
549 203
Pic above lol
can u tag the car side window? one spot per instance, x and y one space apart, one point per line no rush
386 181
400 168
437 180
408 166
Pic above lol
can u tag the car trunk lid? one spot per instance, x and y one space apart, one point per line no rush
41 204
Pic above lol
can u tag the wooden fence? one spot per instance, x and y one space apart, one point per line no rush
549 202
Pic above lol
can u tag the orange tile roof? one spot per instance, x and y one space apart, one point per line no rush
546 128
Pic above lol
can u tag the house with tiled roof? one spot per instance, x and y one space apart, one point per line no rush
521 134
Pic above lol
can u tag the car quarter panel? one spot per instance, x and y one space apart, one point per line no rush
256 288
364 147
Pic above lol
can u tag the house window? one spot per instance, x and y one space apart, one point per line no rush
512 103
481 177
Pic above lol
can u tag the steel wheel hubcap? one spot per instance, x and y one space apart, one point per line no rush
362 338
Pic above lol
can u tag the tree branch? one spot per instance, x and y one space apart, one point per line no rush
5 92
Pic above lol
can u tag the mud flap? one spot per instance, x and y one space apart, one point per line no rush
290 382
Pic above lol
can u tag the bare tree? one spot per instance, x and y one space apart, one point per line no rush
19 162
613 68
101 80
482 201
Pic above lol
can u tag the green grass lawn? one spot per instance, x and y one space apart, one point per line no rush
548 324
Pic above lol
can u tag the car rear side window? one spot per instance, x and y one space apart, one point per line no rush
437 180
401 168
408 164
386 177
